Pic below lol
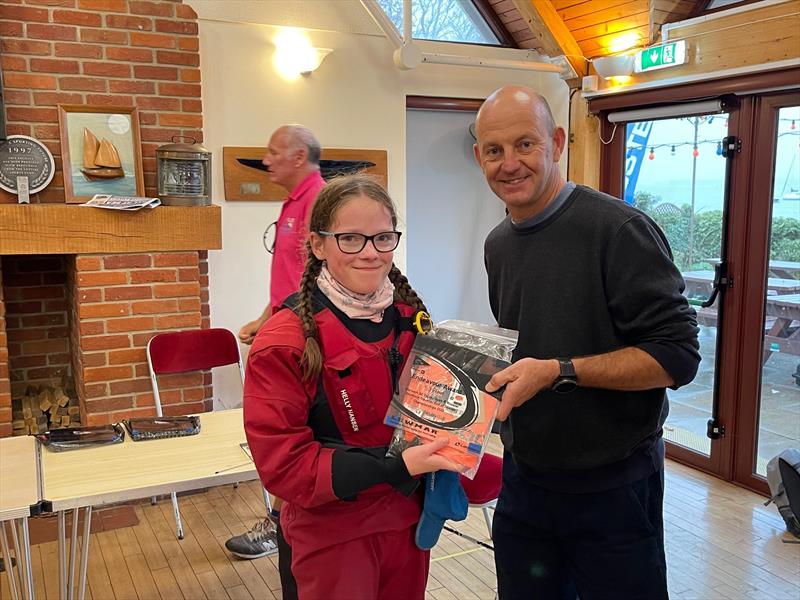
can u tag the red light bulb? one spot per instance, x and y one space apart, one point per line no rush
695 152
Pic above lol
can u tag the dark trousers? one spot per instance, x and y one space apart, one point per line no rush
288 584
604 545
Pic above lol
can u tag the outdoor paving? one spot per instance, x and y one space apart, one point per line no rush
779 426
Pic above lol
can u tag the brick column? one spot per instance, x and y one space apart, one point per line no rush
5 383
121 301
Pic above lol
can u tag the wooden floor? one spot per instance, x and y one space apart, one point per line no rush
721 543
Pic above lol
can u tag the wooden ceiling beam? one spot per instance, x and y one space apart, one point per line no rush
556 38
669 11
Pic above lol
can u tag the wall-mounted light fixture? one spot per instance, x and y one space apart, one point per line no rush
612 67
312 60
295 55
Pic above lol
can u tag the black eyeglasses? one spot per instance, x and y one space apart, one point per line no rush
269 237
353 243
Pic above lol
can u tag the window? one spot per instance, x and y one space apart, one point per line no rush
675 172
442 20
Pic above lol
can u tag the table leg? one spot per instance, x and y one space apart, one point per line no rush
12 580
62 555
23 554
87 528
26 550
73 548
16 548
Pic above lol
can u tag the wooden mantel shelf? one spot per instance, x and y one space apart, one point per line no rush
77 229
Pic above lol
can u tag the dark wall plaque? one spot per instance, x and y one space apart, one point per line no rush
23 156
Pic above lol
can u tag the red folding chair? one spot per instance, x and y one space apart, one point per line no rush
185 351
482 491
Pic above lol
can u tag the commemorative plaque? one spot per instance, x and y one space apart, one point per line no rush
26 166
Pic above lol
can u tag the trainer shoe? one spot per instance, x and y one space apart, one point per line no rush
260 541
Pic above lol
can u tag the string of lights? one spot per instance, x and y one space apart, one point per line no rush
673 146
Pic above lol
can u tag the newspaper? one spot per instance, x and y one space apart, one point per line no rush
442 392
122 202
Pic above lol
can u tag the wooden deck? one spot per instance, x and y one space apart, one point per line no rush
721 543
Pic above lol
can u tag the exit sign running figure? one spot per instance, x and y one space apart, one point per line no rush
660 57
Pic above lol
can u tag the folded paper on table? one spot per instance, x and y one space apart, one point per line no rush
122 202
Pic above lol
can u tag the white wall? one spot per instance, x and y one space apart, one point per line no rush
355 99
450 211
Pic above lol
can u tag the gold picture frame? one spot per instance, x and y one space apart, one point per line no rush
101 151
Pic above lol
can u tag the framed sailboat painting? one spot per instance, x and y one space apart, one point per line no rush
101 151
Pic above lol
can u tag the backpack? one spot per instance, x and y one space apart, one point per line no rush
783 477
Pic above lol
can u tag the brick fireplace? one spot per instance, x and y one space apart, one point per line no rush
80 293
90 317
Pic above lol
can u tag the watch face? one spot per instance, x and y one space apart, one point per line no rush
564 386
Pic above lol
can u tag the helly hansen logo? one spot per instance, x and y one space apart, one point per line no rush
350 413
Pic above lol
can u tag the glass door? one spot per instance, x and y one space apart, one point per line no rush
779 389
675 172
725 189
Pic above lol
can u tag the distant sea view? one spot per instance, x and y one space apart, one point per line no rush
709 196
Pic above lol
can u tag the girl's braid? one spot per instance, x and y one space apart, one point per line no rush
404 291
311 361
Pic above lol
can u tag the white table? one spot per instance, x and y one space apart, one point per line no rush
19 492
95 476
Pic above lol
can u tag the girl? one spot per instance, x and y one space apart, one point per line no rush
320 377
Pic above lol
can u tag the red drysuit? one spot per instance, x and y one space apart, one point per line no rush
307 439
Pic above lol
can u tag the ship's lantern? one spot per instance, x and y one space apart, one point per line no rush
184 173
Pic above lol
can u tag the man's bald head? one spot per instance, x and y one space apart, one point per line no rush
293 153
298 137
511 98
518 147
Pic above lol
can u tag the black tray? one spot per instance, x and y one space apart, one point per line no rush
157 428
73 438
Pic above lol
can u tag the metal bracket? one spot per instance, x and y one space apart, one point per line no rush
731 146
715 429
721 282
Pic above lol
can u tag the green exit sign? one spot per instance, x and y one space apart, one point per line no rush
660 57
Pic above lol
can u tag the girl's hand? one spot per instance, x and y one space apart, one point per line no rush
423 458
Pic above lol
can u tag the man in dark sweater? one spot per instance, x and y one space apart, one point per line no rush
590 285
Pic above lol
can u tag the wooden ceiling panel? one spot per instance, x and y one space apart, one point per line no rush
501 6
669 11
601 46
639 21
559 4
605 15
530 44
518 25
587 26
510 16
588 7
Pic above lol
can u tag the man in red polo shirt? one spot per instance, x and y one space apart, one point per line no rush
293 161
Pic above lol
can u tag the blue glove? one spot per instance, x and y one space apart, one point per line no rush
444 501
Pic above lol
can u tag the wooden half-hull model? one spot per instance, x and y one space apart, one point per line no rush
100 159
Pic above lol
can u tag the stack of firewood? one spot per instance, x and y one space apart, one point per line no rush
43 408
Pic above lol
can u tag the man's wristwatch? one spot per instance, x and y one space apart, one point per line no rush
567 380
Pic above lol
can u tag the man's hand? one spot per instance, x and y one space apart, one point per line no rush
423 458
248 332
523 380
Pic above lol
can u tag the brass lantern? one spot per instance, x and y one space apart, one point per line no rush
184 173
